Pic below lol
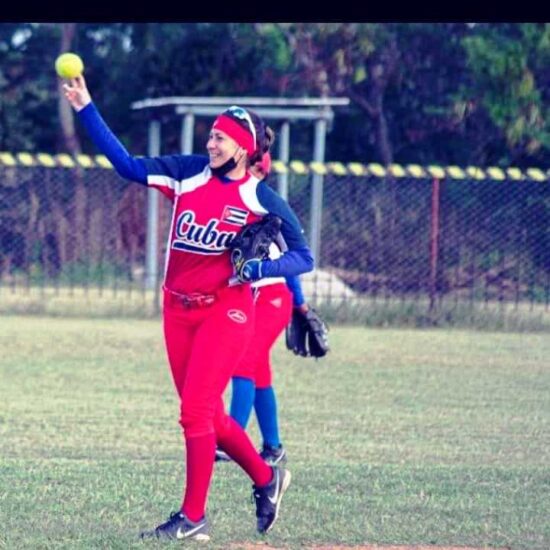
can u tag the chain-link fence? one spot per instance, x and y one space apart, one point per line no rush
464 239
384 240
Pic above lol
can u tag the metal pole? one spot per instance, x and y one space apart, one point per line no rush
317 191
284 148
186 142
151 244
434 242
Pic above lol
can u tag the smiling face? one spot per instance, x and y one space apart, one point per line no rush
220 148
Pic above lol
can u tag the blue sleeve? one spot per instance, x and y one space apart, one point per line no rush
177 167
128 167
291 263
295 287
291 229
298 259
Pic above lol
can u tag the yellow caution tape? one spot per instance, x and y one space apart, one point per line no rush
65 160
45 160
416 171
25 159
318 168
436 171
298 167
456 172
515 173
377 170
536 174
475 172
397 170
7 159
337 168
85 161
357 169
103 161
496 173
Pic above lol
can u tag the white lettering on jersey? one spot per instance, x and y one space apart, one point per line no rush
200 239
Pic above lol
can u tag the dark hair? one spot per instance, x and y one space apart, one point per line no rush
265 136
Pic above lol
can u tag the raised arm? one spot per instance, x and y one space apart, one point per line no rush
79 97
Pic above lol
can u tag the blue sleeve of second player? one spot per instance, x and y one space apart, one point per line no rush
290 229
298 258
295 287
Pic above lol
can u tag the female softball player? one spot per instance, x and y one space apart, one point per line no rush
252 381
208 323
252 385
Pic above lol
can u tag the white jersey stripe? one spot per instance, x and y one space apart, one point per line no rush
190 184
180 187
268 281
248 195
159 180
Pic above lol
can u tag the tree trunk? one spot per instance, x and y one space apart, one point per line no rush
66 118
72 145
381 68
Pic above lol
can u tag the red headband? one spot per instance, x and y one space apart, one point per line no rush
235 131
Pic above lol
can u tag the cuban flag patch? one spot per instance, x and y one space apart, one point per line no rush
234 215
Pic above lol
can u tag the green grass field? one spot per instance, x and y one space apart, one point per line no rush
398 437
411 312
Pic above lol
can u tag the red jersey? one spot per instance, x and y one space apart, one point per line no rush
207 213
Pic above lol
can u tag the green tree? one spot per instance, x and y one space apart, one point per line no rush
448 93
26 91
510 67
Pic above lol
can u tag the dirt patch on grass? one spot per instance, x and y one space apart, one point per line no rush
422 547
259 545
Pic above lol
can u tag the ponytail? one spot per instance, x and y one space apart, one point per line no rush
265 138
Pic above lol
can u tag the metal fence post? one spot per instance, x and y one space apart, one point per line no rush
317 191
434 242
151 244
186 143
284 147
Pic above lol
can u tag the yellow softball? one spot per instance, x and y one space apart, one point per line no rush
69 65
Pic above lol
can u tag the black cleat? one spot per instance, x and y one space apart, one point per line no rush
179 527
221 456
273 455
268 498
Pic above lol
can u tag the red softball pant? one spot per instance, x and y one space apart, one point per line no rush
204 346
273 312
